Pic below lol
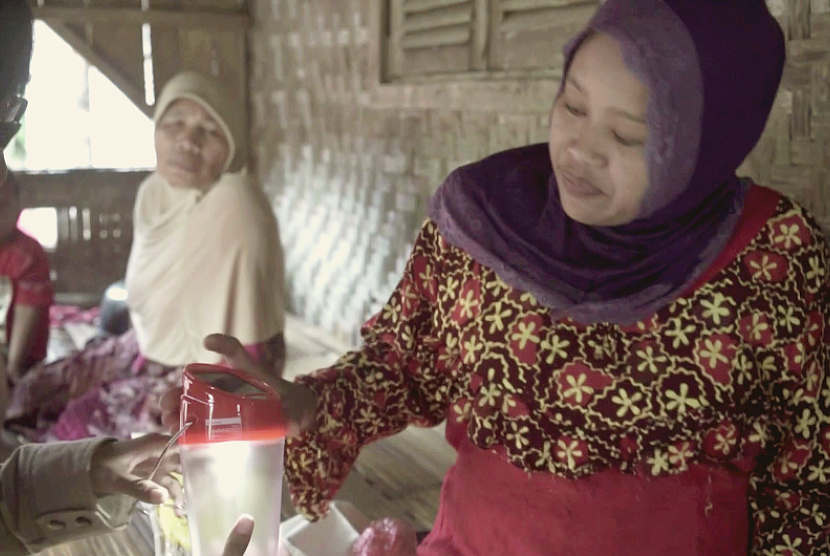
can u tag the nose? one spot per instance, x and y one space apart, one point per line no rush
191 139
585 147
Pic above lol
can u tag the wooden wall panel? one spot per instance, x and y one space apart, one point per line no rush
530 34
95 214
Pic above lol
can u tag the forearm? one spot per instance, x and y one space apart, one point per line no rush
47 497
26 319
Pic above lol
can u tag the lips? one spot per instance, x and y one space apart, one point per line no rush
578 186
185 164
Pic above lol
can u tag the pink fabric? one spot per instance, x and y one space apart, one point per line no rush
699 513
386 537
109 389
62 314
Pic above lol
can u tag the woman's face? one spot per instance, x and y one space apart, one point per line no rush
597 137
190 146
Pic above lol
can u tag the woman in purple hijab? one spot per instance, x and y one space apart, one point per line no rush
628 342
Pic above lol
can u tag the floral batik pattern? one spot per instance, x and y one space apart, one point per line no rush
731 374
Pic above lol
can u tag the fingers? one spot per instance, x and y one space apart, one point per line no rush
239 537
171 399
230 348
174 489
169 464
150 444
140 489
170 403
171 420
235 356
143 451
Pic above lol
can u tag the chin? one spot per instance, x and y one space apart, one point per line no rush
580 212
175 179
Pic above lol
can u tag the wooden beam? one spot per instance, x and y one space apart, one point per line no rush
443 36
481 27
202 19
133 91
427 5
525 5
576 14
462 14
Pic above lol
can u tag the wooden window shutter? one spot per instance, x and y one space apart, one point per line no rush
428 37
530 34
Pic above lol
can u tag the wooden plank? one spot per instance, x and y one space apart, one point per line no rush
78 3
820 90
199 19
411 6
820 25
798 19
378 49
801 114
518 22
131 90
445 36
213 5
530 34
119 43
165 58
164 42
425 62
395 43
461 14
495 52
478 55
526 5
108 190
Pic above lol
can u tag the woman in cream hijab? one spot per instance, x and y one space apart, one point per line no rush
206 258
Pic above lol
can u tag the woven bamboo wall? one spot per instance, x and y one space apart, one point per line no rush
351 165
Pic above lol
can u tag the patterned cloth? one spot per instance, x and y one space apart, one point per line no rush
730 375
95 391
109 389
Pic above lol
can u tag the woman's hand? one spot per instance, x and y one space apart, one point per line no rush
239 537
122 467
299 404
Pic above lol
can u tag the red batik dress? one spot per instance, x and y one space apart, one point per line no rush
703 430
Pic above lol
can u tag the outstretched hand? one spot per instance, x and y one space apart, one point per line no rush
122 467
299 403
239 536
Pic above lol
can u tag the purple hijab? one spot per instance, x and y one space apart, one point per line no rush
713 68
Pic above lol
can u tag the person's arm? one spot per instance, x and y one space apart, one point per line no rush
397 378
33 295
26 320
790 493
52 493
401 376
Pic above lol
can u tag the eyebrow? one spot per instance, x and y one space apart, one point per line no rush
620 111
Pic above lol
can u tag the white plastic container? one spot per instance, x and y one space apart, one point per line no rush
232 458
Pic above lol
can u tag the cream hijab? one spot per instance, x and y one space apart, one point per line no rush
204 262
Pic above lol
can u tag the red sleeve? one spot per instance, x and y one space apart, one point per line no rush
32 283
393 380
